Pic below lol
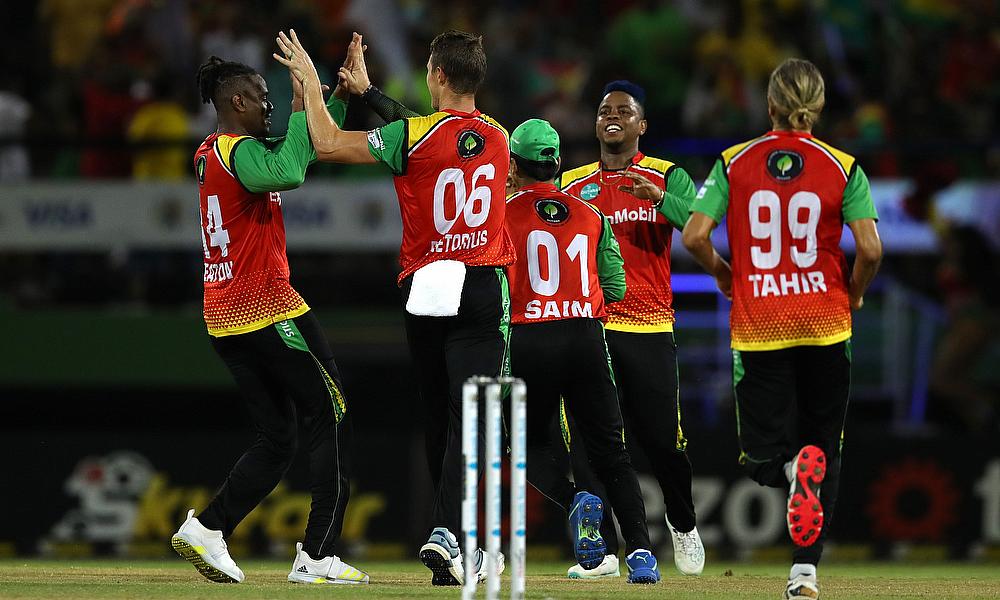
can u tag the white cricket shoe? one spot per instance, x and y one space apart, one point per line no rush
441 554
206 550
689 552
329 570
802 587
607 568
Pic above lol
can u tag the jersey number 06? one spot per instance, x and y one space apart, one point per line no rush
474 207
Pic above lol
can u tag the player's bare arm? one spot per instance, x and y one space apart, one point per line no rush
697 239
332 144
867 259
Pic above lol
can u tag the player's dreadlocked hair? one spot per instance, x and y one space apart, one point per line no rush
215 72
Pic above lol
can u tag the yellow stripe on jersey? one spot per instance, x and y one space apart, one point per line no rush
259 323
843 159
595 209
573 175
657 164
729 154
629 328
496 124
225 145
419 128
828 340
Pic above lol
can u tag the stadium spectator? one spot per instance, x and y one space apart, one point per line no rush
160 129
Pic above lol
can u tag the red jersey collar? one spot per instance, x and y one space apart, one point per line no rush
541 186
458 113
635 160
789 133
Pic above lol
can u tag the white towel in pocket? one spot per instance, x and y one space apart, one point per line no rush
436 289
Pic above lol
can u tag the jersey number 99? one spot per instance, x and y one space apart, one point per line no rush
769 228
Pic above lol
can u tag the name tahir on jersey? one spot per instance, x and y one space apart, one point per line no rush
566 310
785 284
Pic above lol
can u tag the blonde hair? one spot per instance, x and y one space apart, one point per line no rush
796 93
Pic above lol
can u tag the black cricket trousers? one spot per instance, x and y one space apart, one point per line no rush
292 390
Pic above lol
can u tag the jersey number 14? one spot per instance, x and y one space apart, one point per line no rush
218 237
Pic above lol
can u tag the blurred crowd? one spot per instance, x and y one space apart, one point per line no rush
105 88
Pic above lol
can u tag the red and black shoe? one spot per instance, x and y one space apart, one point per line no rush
805 513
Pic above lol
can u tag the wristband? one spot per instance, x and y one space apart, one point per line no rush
663 197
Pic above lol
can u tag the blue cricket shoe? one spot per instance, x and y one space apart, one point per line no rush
642 567
585 517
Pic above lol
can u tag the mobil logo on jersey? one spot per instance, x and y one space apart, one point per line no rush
634 215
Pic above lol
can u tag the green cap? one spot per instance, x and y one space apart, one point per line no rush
535 140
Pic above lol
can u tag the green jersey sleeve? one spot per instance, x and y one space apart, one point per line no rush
387 144
337 109
610 266
275 165
713 197
858 198
677 197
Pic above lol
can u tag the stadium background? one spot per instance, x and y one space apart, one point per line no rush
115 415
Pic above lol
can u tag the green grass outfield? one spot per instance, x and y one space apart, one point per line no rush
30 578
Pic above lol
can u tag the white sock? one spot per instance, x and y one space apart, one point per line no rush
802 570
790 471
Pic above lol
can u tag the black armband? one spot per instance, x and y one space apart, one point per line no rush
384 106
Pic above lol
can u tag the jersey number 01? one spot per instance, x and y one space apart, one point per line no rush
549 284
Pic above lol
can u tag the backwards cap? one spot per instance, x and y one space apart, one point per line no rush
535 140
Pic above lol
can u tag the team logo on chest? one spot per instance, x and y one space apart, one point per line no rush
470 143
552 211
199 169
590 191
784 165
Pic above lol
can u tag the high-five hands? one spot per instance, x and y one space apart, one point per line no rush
296 58
354 74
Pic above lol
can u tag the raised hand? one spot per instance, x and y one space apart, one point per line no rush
641 187
296 58
354 74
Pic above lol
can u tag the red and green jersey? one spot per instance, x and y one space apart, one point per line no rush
246 273
786 196
450 170
568 261
644 231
